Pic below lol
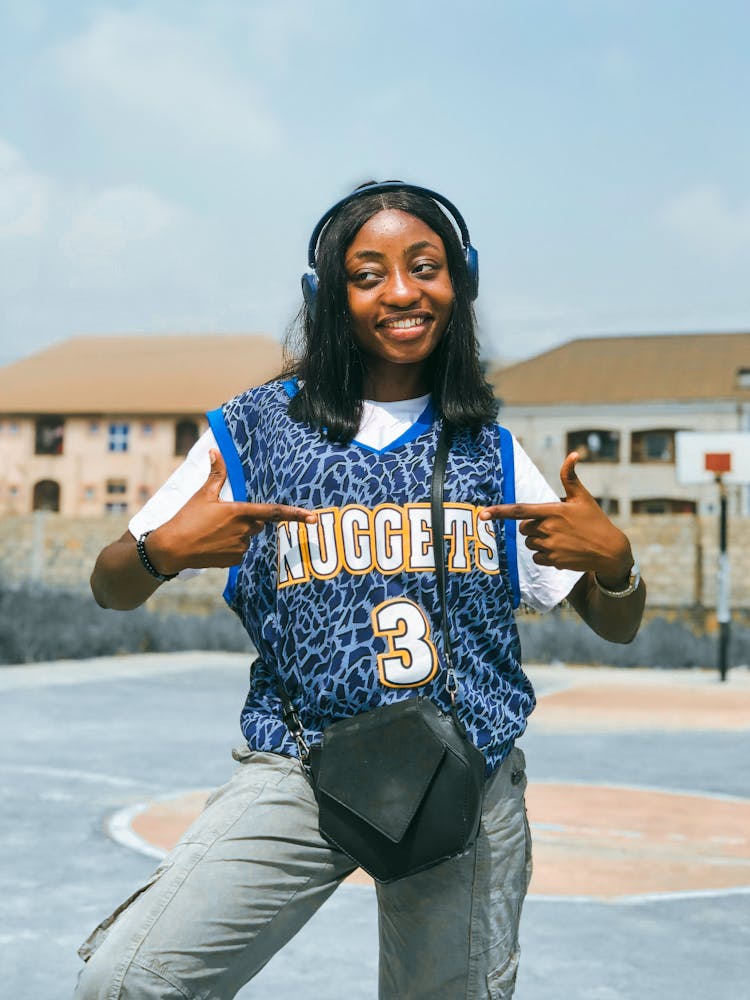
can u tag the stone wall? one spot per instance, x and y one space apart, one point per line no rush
678 556
60 551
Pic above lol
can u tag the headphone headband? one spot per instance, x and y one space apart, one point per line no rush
377 188
310 279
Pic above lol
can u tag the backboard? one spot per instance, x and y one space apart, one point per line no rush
702 455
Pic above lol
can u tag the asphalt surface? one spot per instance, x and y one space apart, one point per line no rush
81 741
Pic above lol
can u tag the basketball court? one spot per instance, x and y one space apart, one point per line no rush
639 802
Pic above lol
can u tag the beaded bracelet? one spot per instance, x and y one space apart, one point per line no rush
146 562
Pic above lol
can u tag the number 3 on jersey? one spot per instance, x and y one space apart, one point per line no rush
410 658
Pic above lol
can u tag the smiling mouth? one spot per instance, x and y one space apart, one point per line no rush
407 323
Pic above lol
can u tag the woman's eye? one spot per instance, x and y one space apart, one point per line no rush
425 266
364 275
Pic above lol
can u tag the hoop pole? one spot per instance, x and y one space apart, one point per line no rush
723 612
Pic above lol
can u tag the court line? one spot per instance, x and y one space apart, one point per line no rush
77 775
118 826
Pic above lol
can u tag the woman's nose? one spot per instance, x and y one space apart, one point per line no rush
401 289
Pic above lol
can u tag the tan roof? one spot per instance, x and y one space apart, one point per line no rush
676 367
138 374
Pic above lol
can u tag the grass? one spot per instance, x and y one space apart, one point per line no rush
49 624
562 636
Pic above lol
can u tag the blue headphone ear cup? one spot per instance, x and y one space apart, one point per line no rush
472 266
310 291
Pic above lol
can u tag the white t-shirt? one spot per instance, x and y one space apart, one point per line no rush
541 587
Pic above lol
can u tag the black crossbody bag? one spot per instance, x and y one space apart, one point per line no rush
400 788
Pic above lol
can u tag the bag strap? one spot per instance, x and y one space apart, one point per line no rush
438 545
290 714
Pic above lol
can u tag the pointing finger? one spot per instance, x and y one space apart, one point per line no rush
519 511
274 512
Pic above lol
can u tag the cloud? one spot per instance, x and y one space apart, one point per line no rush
271 30
170 77
96 255
704 217
115 223
24 196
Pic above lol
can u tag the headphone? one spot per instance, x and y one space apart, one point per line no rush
310 278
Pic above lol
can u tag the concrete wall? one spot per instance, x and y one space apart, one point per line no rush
678 556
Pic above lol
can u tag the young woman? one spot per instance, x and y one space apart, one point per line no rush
315 490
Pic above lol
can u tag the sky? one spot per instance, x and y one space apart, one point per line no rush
162 163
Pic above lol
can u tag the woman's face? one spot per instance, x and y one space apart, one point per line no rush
400 293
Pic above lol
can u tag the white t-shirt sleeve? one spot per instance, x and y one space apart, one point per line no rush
177 490
541 587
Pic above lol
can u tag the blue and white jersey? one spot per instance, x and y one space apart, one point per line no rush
347 610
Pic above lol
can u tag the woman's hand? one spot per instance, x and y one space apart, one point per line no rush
575 534
208 531
205 532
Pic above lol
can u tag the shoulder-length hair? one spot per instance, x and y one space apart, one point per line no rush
330 364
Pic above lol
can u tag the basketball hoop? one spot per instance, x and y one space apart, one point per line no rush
718 462
723 456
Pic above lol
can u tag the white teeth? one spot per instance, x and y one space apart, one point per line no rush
404 324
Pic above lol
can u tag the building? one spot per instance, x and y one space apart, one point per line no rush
94 425
619 401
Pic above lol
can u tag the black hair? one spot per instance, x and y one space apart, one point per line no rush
331 365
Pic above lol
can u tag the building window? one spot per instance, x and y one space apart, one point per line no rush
743 378
663 505
652 446
46 495
144 492
610 505
89 493
595 445
13 427
113 507
118 437
93 426
48 438
185 436
147 428
116 487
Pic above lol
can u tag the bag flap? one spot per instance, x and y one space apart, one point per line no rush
380 764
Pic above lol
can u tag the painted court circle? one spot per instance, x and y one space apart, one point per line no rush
594 841
590 841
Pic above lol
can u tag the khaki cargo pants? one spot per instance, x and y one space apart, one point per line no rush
253 869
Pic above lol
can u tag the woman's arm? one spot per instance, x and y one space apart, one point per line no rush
615 618
205 532
119 580
576 534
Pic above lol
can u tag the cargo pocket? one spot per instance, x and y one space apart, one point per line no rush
242 753
97 936
502 982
